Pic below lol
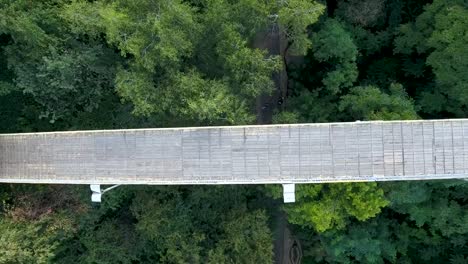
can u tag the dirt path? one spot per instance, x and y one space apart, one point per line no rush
273 41
286 247
281 234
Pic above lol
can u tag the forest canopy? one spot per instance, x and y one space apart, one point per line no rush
108 64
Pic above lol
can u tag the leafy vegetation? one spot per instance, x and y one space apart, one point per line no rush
76 64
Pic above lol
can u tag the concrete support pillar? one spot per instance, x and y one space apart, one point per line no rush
97 192
289 193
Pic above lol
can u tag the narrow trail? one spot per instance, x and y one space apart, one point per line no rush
287 249
275 43
281 232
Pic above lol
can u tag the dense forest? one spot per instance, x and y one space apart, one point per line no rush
77 64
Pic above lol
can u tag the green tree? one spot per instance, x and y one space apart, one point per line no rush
113 240
334 45
26 242
373 241
62 73
425 222
295 16
194 60
169 72
313 106
370 103
331 206
439 35
233 246
34 221
367 13
226 231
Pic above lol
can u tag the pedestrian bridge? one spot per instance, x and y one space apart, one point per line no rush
267 154
300 153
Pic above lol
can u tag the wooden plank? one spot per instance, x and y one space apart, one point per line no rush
300 153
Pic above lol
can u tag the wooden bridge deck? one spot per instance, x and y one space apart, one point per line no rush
300 153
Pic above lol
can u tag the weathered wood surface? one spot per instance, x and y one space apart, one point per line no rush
328 152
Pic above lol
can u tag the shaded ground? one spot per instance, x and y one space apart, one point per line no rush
287 249
273 41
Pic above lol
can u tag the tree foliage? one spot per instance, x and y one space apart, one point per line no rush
194 62
77 64
222 232
439 33
26 242
331 206
335 46
370 103
423 223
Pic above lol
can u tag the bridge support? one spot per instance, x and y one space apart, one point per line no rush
289 195
97 192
